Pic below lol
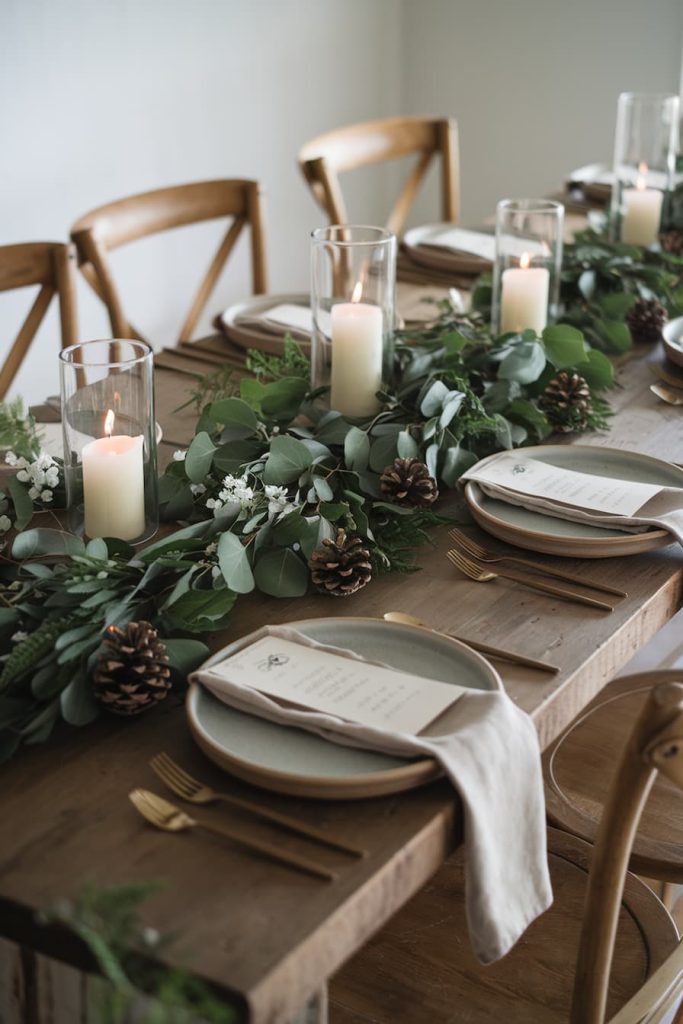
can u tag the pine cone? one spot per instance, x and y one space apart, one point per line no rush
566 401
672 241
646 320
407 482
133 673
341 566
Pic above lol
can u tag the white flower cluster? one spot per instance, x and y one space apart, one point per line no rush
278 502
42 474
235 490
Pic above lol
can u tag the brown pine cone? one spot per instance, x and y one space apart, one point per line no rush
132 674
566 401
646 320
341 566
672 241
407 482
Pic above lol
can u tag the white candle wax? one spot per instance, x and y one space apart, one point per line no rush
114 487
524 299
356 358
642 213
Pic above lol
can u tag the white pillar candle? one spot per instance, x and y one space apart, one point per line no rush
524 298
357 346
642 213
114 486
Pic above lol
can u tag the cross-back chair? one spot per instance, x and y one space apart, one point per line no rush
51 266
102 230
324 158
573 963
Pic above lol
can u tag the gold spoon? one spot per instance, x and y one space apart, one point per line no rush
495 652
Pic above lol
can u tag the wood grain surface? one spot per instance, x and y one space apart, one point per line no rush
266 936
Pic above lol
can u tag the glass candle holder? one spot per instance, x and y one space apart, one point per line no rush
353 285
526 272
110 450
645 147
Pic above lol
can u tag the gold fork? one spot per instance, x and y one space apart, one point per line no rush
482 555
195 792
479 574
166 816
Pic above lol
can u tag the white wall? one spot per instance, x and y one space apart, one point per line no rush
104 98
533 83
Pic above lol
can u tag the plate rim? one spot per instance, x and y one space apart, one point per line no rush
415 772
656 537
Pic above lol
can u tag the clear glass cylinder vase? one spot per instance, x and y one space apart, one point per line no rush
645 145
353 287
110 448
526 272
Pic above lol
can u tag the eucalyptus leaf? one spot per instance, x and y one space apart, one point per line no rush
199 457
287 459
234 564
77 702
356 449
457 461
23 506
97 548
597 370
235 416
40 542
185 655
323 489
201 611
281 573
615 335
524 363
432 403
564 346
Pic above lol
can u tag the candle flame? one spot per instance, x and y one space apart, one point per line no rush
640 180
525 260
109 423
357 292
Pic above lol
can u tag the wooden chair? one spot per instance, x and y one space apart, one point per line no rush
325 157
50 265
578 769
108 227
573 963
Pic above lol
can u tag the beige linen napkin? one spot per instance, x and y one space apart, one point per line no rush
493 762
664 510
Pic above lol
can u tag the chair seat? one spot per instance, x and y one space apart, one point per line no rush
579 767
420 969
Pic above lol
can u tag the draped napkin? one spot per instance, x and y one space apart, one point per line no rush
512 478
492 760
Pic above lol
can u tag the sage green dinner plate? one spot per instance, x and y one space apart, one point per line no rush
289 760
552 536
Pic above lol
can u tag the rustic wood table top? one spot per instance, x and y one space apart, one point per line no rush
266 936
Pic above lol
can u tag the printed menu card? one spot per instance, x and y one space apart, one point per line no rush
356 691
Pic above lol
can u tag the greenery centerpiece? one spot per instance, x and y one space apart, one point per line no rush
274 492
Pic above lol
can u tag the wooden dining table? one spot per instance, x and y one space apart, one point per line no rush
262 936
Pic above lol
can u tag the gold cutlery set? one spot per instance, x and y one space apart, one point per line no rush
474 561
169 818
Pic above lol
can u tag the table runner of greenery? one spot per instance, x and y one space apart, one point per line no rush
270 475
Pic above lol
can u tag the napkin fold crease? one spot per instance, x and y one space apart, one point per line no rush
491 758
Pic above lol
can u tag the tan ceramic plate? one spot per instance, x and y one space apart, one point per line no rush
439 258
672 335
249 336
292 761
537 532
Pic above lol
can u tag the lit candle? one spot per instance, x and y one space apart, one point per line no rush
114 485
357 344
642 212
524 297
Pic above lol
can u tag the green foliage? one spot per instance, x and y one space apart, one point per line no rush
107 919
292 363
18 430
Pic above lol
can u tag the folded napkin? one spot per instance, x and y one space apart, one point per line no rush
286 318
458 240
493 762
609 503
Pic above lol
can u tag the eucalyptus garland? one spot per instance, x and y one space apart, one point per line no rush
271 477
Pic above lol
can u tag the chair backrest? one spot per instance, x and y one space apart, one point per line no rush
325 157
99 232
50 265
655 745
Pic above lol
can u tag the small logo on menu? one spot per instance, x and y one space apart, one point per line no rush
273 661
518 468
